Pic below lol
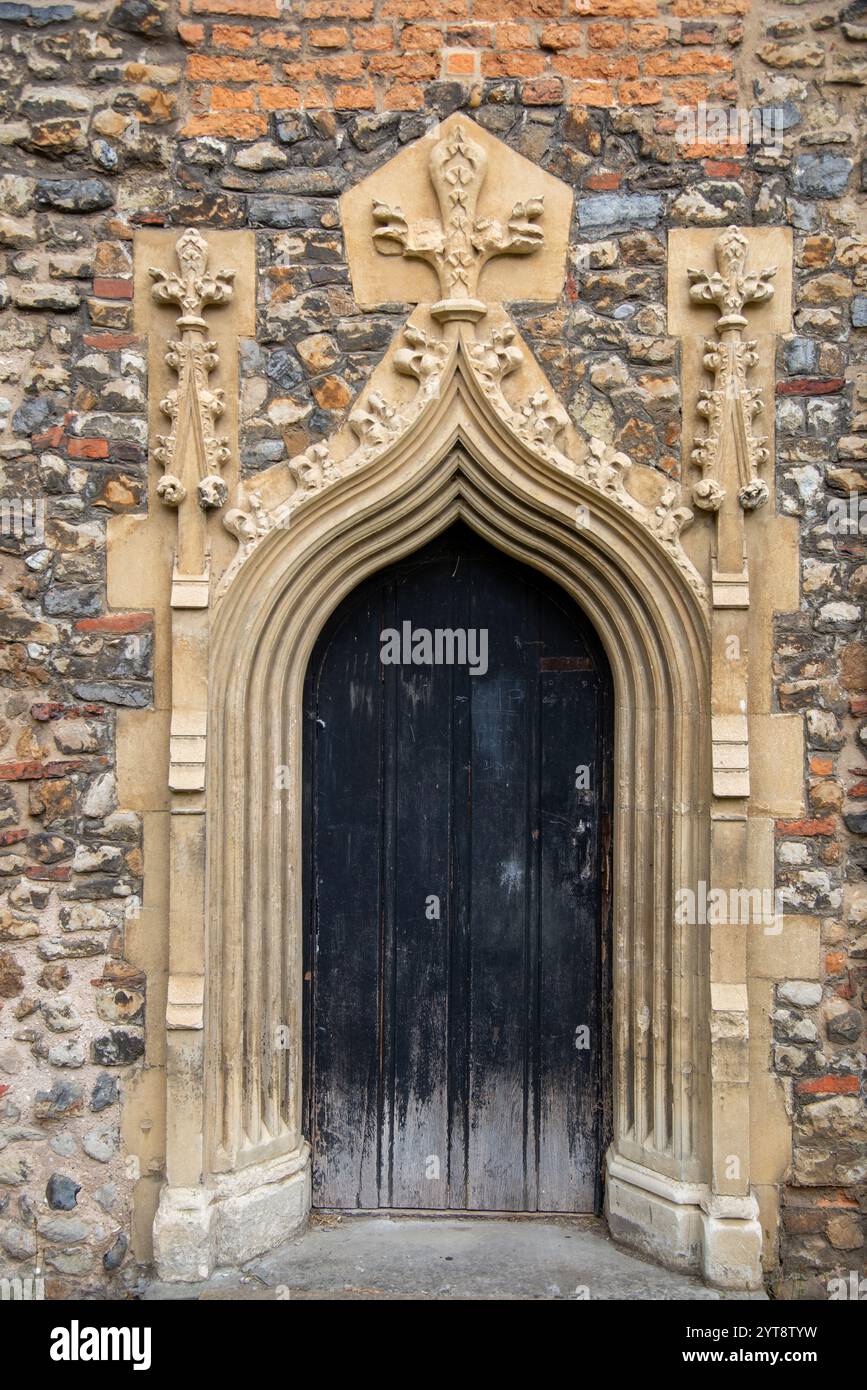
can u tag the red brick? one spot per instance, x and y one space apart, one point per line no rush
617 9
603 182
824 826
54 873
811 386
858 791
237 36
648 35
557 36
591 94
279 38
257 9
544 91
33 769
689 93
835 962
515 36
207 69
712 9
404 96
640 93
821 767
54 709
408 66
429 10
722 169
12 837
279 98
115 622
234 125
420 36
190 33
685 64
347 67
338 9
460 64
335 37
573 65
108 341
230 99
697 35
829 1085
51 439
354 99
375 39
606 35
512 64
517 9
88 448
470 35
112 289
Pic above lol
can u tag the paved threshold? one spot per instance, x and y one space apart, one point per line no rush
402 1257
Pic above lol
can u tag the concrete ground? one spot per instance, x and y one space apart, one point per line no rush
410 1257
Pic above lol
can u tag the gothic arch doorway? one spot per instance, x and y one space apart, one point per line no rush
457 777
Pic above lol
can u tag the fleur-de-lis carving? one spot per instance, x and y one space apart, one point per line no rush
461 243
195 286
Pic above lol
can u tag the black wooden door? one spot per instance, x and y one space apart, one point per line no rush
456 827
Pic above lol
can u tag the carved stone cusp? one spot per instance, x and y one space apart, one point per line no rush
497 357
423 358
313 468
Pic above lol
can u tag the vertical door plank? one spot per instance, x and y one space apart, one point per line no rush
346 712
420 981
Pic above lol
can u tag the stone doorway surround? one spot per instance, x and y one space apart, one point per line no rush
458 422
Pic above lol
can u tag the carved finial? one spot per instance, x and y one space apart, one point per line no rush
730 453
461 243
731 286
192 454
194 287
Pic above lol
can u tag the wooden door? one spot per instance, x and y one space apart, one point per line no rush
456 858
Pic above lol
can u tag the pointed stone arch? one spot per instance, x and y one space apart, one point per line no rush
238 1160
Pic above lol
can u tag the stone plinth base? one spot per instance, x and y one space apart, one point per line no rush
683 1225
232 1220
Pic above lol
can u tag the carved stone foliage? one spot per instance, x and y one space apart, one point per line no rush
730 453
539 422
461 243
192 455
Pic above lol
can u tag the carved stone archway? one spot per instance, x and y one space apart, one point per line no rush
458 422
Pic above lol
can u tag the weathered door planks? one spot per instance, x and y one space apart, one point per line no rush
441 1066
